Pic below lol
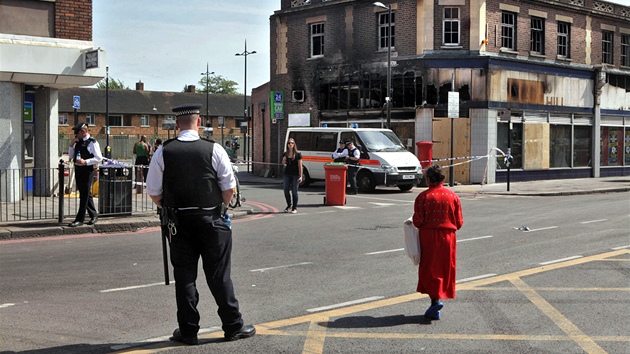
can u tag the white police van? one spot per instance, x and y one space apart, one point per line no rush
384 159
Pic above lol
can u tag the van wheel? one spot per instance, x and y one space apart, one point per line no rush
306 178
405 187
365 181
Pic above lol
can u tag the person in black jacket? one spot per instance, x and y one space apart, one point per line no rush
192 178
86 153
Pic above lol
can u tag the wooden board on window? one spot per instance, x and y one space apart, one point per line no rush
442 146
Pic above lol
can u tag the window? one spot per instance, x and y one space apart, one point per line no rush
63 119
582 146
517 144
451 26
383 30
116 120
538 36
607 47
90 119
560 146
317 40
564 34
625 50
612 146
144 120
508 29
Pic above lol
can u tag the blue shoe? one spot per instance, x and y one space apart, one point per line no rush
434 311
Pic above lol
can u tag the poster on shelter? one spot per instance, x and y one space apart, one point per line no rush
626 147
613 146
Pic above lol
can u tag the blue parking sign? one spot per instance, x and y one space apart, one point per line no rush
76 102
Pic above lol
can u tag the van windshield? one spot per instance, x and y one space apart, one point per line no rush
376 141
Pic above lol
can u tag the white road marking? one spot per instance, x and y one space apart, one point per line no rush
590 221
388 251
383 204
559 260
6 305
620 247
360 301
133 287
280 267
346 207
474 238
474 278
542 228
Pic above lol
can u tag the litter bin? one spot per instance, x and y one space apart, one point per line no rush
425 155
335 183
114 190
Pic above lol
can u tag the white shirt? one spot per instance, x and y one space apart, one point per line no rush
343 153
93 148
220 162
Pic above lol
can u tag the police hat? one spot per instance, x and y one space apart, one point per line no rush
186 109
79 126
348 141
342 141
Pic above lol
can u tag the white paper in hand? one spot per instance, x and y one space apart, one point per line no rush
412 241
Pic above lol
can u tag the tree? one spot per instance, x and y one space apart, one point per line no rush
113 84
217 84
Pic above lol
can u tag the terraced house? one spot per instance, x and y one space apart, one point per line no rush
550 80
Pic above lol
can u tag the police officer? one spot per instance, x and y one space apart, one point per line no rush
86 153
193 179
352 160
340 154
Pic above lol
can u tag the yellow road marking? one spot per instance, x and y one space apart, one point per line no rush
317 332
567 326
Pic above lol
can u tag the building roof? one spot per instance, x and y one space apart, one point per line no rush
142 102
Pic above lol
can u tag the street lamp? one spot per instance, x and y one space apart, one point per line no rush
108 149
245 54
207 73
388 98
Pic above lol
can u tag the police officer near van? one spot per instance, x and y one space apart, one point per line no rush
86 153
192 179
340 154
352 160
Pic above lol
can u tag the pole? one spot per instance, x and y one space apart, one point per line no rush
208 73
108 149
76 117
245 113
389 66
61 189
509 151
451 169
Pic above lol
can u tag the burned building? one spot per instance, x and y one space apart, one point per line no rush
548 80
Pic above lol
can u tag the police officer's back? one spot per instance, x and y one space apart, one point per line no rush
192 178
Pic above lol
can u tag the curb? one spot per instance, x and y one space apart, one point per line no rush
24 230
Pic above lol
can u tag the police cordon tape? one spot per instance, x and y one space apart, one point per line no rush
114 163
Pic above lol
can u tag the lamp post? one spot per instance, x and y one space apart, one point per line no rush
207 73
245 54
388 98
108 149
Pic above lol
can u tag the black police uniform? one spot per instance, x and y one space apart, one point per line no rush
84 177
201 232
353 168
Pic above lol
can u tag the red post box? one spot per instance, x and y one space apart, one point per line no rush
425 153
335 183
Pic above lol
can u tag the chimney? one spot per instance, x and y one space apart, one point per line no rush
140 86
191 89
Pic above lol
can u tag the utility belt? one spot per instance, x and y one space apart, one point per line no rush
169 217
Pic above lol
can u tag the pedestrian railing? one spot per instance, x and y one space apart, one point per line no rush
50 193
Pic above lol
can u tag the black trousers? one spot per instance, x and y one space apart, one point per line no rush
208 237
84 179
352 178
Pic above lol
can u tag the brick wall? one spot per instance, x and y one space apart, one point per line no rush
73 19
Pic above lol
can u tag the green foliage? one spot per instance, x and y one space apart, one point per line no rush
113 84
217 84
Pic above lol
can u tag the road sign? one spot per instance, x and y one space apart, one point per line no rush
277 105
76 102
221 121
453 104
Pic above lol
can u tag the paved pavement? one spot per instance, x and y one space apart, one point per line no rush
42 228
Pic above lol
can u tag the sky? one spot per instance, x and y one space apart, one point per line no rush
166 44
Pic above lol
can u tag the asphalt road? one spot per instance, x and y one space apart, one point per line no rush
335 279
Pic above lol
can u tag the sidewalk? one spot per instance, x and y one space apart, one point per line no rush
559 187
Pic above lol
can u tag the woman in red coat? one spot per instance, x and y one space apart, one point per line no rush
437 215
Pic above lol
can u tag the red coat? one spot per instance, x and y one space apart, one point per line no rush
437 215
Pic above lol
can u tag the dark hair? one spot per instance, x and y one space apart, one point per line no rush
434 174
